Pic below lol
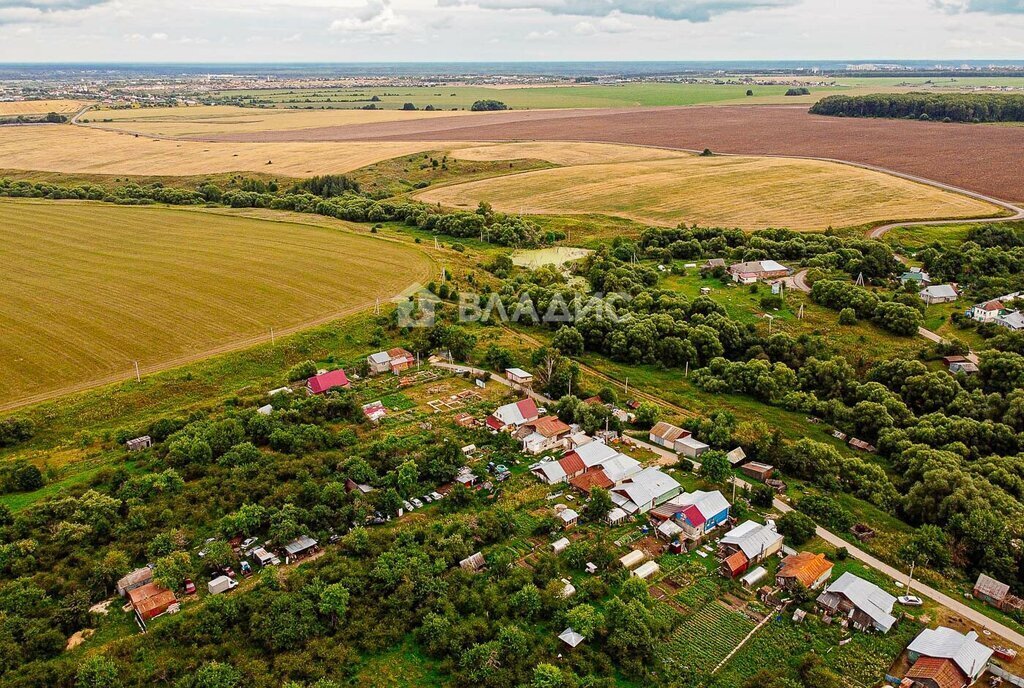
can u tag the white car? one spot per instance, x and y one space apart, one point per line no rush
407 506
416 503
427 498
247 543
910 600
437 496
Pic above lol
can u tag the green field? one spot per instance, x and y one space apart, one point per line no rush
90 289
591 95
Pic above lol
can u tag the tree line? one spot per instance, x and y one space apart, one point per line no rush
945 107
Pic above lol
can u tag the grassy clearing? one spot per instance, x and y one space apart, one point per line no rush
747 192
92 288
80 150
562 153
916 237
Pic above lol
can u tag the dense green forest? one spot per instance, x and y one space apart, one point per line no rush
942 107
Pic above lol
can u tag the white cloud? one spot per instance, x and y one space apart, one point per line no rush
983 6
541 35
377 18
677 10
25 11
159 37
610 24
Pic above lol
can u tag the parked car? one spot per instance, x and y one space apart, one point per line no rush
417 503
190 587
228 571
437 496
221 584
910 600
245 568
247 543
427 498
407 506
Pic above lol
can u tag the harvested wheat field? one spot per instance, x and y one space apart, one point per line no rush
982 158
746 192
90 288
90 151
39 107
202 120
563 153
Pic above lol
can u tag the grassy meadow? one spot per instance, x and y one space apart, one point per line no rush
92 288
747 192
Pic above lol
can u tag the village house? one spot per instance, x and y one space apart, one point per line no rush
712 264
758 471
694 513
324 382
944 657
616 517
916 276
665 435
965 367
865 605
939 293
809 570
986 312
568 517
645 490
749 542
135 579
691 447
736 456
151 600
1011 320
991 591
390 361
513 416
753 271
139 443
518 376
300 548
543 434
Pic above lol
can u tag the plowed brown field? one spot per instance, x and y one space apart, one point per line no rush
982 158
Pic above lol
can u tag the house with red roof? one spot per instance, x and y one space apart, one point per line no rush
324 382
543 434
513 416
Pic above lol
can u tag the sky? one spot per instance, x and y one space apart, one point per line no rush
506 30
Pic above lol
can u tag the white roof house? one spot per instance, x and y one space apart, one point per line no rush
558 546
568 516
381 357
736 455
595 453
938 293
945 643
866 597
691 446
550 472
753 539
616 516
620 467
571 637
1013 320
643 491
709 504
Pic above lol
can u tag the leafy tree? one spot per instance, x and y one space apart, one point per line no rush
929 546
598 505
97 671
715 467
797 527
569 341
334 602
172 570
647 414
302 371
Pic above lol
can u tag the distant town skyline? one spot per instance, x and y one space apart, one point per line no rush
507 30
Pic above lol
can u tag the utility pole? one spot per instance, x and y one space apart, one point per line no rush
687 374
273 340
138 375
627 389
800 314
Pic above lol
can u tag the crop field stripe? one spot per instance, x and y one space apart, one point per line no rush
747 192
96 287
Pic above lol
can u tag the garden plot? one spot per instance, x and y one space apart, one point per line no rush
706 638
455 402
